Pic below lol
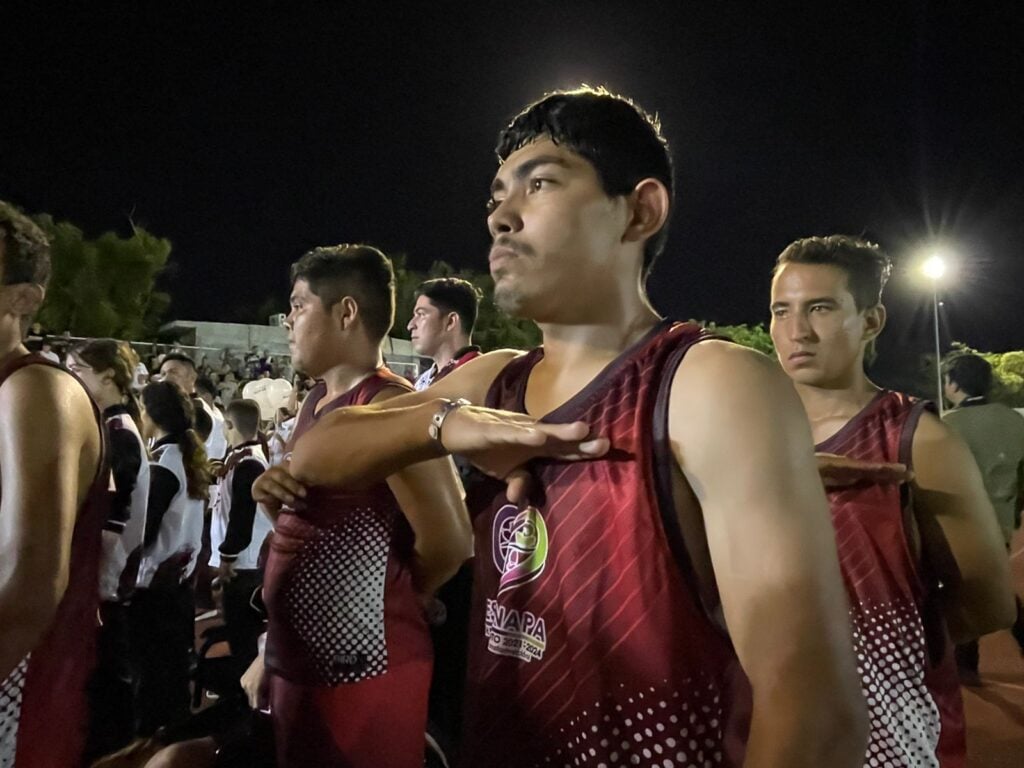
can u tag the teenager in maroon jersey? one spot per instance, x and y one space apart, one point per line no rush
52 510
618 604
826 312
348 645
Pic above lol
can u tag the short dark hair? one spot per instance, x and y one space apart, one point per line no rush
616 136
453 294
867 266
359 271
203 384
245 415
24 247
972 373
179 356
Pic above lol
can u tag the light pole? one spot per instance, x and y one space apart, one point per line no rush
934 268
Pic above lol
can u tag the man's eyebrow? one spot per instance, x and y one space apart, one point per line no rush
528 167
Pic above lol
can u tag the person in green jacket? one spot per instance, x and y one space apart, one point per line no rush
995 434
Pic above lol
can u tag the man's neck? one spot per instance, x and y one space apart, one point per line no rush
11 345
596 341
447 350
829 408
342 377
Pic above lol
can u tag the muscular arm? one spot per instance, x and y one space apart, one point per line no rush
49 453
356 447
959 533
431 498
741 438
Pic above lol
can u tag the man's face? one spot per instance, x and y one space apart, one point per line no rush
556 235
818 332
180 373
427 327
313 334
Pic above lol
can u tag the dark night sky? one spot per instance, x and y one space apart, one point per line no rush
246 138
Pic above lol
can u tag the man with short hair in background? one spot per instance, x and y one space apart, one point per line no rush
441 327
995 434
238 529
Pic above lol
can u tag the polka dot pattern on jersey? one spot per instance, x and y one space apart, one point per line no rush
10 711
891 653
336 600
655 727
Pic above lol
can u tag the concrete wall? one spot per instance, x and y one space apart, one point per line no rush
211 338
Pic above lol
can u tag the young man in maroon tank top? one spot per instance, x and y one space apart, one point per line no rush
52 512
826 314
349 572
619 600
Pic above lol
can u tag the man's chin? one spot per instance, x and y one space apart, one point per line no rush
511 302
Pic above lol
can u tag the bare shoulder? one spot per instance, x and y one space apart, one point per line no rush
722 370
45 407
42 388
938 453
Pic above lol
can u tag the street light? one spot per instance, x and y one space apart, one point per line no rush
934 268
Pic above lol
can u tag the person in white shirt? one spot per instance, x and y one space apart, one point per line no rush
106 367
162 612
238 529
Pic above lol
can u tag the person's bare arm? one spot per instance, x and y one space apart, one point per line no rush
365 444
359 446
430 496
742 440
47 430
959 533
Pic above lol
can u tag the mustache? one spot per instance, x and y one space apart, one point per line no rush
505 241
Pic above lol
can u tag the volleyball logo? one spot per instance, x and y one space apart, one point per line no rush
519 545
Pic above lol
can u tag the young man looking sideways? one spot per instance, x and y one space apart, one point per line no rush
826 315
613 613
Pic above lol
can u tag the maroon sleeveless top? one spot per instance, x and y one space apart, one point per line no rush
338 584
589 643
903 651
43 708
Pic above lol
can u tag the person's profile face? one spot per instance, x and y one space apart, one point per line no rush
180 373
557 236
311 330
94 381
818 332
426 328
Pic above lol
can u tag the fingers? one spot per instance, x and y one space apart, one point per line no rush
519 483
276 487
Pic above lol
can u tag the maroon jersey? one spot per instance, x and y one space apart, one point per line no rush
337 568
43 708
903 653
589 642
347 643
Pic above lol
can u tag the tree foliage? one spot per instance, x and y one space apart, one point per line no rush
494 329
753 336
103 287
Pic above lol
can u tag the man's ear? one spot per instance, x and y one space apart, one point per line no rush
451 320
26 298
345 312
650 204
874 322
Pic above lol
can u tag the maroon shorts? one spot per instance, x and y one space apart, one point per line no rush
375 723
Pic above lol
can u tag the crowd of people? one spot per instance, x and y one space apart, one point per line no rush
639 544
